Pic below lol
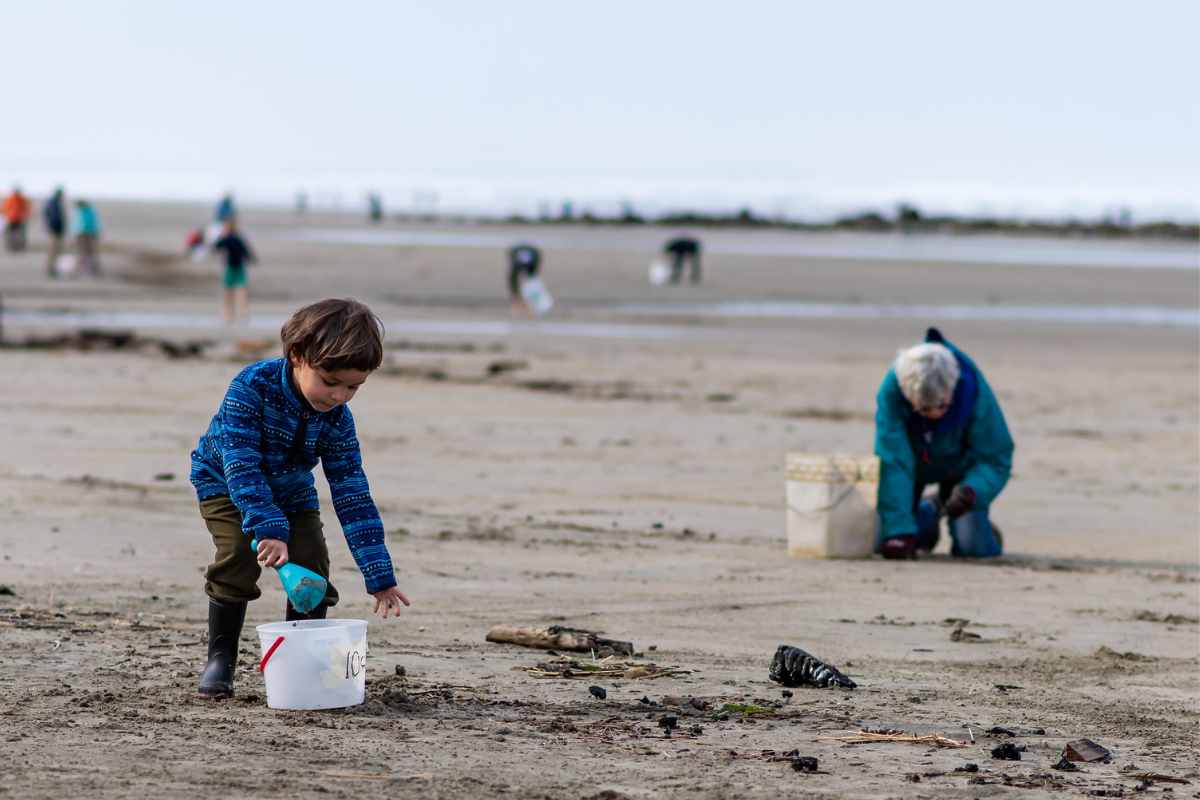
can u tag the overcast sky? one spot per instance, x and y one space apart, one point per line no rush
1045 107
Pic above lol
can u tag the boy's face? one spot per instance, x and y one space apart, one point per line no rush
326 390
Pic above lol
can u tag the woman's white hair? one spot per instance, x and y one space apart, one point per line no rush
927 373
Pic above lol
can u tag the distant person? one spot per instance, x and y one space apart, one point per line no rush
938 422
683 249
16 213
237 255
85 224
907 218
375 203
301 202
524 261
55 217
225 210
193 242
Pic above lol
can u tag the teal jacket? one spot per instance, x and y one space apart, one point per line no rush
85 220
970 445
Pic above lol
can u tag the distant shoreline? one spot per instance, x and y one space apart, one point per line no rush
906 220
875 223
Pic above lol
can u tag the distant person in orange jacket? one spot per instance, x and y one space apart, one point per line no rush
16 214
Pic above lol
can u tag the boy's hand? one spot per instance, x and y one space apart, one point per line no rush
390 598
272 552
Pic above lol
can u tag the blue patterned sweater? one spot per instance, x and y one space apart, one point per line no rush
261 448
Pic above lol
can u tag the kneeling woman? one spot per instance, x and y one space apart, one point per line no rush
939 423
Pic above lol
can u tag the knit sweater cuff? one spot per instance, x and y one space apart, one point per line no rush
381 583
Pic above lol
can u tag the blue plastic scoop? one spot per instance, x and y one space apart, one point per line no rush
304 588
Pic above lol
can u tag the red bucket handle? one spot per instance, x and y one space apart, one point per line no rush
270 652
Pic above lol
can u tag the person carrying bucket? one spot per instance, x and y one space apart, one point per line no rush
525 287
252 471
683 249
938 422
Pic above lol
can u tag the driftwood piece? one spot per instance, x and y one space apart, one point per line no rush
864 737
557 638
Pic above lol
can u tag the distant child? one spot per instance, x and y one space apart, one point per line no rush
86 226
253 474
237 254
55 216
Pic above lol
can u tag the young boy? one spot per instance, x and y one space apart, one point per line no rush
253 474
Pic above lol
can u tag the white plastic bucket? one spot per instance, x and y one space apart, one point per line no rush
660 273
65 265
831 505
213 233
314 663
536 296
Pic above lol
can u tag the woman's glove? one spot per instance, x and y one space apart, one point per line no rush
962 500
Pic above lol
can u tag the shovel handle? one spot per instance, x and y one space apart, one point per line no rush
270 652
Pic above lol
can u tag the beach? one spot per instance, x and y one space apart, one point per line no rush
617 466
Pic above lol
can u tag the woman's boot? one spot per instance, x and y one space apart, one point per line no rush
224 632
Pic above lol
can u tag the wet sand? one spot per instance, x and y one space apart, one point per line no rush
523 478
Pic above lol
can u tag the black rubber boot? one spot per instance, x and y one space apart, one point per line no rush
224 632
900 547
291 614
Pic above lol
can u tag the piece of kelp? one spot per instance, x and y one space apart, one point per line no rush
795 667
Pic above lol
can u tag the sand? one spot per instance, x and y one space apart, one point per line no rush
627 485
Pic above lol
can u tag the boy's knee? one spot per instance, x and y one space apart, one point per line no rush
306 539
233 575
228 592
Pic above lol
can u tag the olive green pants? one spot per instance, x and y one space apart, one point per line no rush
233 575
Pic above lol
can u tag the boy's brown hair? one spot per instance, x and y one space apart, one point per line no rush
333 335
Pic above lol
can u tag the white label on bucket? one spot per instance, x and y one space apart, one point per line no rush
347 664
